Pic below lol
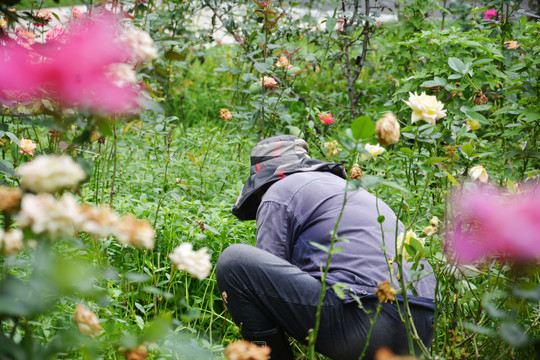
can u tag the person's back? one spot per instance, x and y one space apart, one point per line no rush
313 203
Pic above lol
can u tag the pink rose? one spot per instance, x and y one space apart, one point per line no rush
54 33
326 118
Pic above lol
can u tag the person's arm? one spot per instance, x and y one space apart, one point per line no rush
276 227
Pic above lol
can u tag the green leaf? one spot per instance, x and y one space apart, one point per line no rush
261 67
407 151
13 138
320 247
457 65
362 127
435 159
467 149
437 81
331 24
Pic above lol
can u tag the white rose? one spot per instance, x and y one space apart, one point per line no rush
50 173
197 263
479 173
425 107
139 233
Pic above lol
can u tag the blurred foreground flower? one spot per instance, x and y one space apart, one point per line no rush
196 263
50 173
138 353
44 213
387 129
403 239
87 321
140 44
73 71
245 350
77 13
326 118
425 107
479 173
139 233
373 150
9 198
225 114
487 222
97 221
11 242
27 147
54 33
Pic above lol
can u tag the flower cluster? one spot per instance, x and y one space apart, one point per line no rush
425 107
196 263
488 222
44 213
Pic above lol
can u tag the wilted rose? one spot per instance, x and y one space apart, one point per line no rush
269 82
387 129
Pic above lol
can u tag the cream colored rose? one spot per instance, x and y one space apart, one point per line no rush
121 74
425 107
245 350
387 129
50 173
403 239
373 151
87 321
11 242
139 233
97 221
44 213
196 263
479 173
141 45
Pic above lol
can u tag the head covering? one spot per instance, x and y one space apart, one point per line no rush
273 159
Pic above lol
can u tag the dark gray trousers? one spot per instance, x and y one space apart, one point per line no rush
265 293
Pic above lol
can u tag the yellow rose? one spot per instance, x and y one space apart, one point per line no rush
479 173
